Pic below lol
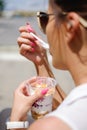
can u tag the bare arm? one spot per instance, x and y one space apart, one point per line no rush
55 124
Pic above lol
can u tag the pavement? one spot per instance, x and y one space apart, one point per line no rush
14 68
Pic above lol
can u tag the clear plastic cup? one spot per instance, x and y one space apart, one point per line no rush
44 105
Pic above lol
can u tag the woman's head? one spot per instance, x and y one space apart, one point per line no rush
65 28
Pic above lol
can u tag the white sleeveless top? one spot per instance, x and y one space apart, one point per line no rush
73 110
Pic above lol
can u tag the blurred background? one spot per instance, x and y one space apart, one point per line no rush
14 68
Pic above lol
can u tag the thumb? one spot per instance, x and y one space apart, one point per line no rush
38 95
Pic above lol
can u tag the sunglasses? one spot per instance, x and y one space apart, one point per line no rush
43 19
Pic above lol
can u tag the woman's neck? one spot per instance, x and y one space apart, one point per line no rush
78 65
78 69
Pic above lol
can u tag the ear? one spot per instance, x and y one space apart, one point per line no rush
72 24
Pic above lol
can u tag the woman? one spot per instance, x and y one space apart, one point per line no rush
66 28
31 48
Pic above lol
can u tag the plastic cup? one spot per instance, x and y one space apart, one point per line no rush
44 105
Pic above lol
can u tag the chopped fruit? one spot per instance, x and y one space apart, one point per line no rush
41 85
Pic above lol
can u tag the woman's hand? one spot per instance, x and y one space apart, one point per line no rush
23 101
29 46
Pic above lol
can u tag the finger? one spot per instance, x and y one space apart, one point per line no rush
38 95
23 29
26 49
26 28
29 28
21 41
28 36
25 91
32 81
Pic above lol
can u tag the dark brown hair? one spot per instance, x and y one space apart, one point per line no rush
79 6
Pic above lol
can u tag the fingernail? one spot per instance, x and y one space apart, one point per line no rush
29 28
33 44
33 49
44 91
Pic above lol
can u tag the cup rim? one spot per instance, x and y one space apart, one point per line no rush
43 77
